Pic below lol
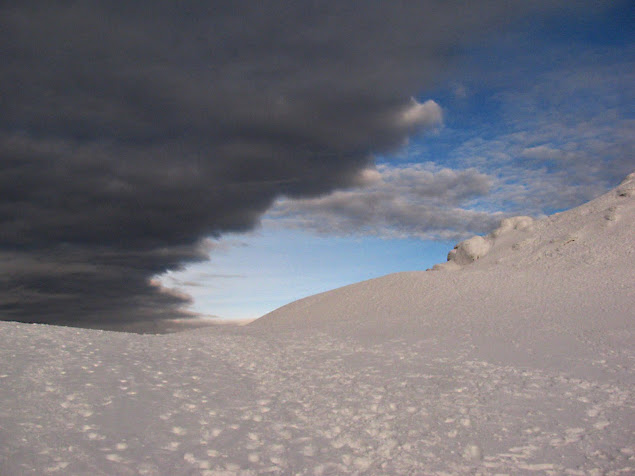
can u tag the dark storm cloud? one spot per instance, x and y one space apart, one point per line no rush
130 131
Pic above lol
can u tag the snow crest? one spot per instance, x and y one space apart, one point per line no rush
474 248
627 187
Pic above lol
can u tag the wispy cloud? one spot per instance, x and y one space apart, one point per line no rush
550 142
412 200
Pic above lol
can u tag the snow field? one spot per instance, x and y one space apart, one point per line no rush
243 403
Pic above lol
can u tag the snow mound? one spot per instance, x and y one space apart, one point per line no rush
474 248
513 223
470 250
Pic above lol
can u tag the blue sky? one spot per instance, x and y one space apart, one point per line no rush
534 122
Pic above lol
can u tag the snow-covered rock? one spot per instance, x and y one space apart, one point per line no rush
474 248
470 250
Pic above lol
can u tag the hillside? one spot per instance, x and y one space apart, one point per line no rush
562 283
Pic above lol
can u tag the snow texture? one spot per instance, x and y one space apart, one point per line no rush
476 247
515 359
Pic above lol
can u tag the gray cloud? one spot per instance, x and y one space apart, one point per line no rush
130 131
407 201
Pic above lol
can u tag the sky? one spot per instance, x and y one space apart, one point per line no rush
163 160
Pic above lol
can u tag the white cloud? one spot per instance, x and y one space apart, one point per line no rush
543 152
421 115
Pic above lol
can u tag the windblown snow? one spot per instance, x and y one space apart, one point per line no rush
514 357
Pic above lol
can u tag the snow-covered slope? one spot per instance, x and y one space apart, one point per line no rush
515 357
562 283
